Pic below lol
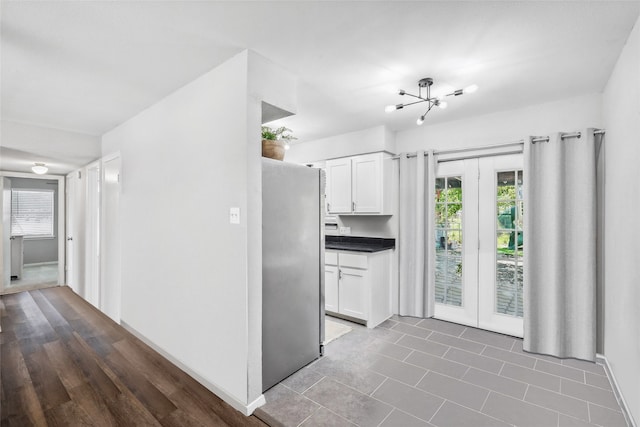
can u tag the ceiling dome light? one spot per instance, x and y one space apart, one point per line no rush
436 101
39 168
470 89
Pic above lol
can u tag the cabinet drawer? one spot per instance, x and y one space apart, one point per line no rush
353 260
331 258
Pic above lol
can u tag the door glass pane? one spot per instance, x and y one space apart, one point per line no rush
449 240
509 243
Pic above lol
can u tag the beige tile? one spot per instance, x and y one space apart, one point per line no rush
509 356
392 368
560 370
407 319
437 364
348 403
411 330
606 417
408 399
324 417
286 406
540 379
489 338
451 341
589 393
442 327
566 421
558 402
423 345
455 390
592 367
401 419
598 381
515 411
477 361
388 349
452 415
495 383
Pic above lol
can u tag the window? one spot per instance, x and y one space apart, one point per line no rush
32 213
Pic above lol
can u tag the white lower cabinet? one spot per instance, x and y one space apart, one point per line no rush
331 288
358 285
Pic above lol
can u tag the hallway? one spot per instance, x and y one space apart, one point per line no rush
65 363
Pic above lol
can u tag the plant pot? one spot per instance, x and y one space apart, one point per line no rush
273 149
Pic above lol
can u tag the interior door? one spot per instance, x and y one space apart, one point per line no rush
92 235
479 242
5 233
110 289
456 236
500 271
70 268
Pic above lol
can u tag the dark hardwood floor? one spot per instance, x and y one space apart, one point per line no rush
64 363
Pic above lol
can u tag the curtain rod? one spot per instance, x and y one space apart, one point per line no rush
505 144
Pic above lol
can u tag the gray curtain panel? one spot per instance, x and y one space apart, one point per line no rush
560 254
417 180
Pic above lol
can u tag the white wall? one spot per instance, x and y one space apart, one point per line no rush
370 140
505 126
191 281
622 231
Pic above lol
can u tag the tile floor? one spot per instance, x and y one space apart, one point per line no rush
425 372
37 275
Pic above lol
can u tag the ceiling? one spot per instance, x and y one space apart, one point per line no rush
87 66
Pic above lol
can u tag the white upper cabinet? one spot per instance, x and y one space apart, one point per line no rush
339 186
360 185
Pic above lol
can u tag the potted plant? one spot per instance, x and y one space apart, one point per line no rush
275 142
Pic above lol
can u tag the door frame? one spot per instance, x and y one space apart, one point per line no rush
61 218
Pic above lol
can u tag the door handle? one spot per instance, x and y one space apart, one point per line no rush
69 239
353 206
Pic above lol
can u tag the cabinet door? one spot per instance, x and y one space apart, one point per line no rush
331 288
353 295
366 184
339 186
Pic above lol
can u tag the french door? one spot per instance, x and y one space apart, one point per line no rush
479 242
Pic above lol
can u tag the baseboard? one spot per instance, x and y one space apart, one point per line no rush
37 264
602 359
222 394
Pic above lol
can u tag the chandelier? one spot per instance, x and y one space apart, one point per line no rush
432 102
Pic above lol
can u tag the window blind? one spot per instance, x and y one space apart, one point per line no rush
32 213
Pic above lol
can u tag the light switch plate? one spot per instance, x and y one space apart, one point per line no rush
234 215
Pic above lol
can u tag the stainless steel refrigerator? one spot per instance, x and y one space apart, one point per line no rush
292 268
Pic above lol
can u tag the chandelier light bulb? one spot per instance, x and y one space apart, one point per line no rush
420 120
470 89
442 104
390 108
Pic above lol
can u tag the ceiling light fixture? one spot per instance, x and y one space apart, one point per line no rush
39 168
435 101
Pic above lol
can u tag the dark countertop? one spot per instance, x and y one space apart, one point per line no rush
359 244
